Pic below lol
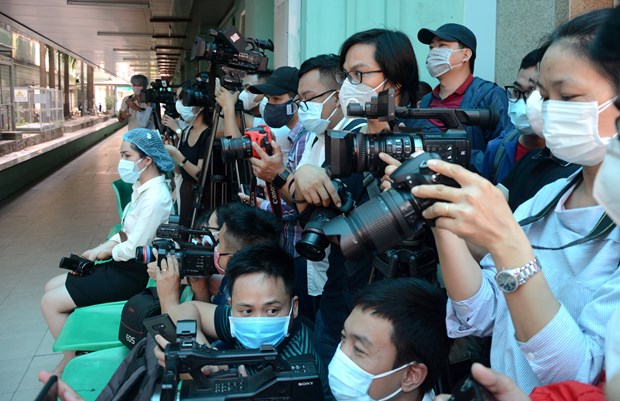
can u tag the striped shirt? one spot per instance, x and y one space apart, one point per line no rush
584 278
298 343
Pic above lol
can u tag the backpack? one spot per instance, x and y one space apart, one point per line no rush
138 377
138 308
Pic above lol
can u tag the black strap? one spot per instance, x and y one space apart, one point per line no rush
602 226
355 124
271 193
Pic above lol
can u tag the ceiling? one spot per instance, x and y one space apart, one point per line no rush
121 37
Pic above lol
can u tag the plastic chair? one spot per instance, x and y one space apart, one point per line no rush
123 191
88 374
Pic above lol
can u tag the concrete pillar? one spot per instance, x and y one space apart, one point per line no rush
42 69
66 103
90 89
82 97
51 54
578 7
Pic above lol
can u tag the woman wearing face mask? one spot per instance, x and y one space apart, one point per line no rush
551 281
118 276
188 157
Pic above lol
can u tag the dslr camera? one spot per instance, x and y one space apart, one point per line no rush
195 258
348 153
297 380
78 265
241 148
161 92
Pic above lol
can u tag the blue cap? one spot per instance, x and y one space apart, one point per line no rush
149 142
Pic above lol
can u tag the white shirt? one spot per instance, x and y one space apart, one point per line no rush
612 353
138 119
585 279
150 206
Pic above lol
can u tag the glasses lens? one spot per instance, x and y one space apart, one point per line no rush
355 77
303 106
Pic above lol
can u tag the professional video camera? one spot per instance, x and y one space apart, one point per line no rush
296 381
230 48
392 216
161 92
348 153
197 93
241 148
195 257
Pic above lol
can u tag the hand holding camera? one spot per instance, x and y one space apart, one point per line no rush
267 165
313 185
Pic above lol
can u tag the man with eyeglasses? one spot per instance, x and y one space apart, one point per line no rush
506 150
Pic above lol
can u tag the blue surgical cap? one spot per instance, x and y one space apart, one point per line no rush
149 142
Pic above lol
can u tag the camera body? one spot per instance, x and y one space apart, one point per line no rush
241 148
392 216
78 265
197 93
313 240
161 92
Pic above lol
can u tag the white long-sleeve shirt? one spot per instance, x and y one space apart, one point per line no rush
150 206
584 278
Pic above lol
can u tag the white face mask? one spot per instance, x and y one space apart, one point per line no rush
128 170
606 188
534 112
360 93
438 61
252 332
311 117
248 99
350 382
517 111
261 106
186 112
571 131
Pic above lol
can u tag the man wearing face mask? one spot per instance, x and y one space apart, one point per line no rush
394 343
451 61
506 150
137 113
261 310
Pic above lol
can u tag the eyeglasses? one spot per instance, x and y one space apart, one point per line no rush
303 104
355 77
220 255
514 94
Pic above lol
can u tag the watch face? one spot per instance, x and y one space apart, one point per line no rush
506 281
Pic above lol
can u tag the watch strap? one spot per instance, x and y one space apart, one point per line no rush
181 164
280 180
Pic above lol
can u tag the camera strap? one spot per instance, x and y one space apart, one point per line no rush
272 195
603 226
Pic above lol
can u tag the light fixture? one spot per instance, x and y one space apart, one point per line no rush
164 18
107 33
166 36
110 3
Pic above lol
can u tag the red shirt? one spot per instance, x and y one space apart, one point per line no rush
521 151
568 391
452 101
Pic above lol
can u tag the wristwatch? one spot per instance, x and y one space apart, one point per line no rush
181 164
509 280
280 179
179 131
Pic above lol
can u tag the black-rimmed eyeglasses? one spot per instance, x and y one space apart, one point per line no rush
355 77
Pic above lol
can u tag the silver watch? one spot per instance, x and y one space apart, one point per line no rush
509 280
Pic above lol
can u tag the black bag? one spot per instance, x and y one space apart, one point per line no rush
138 308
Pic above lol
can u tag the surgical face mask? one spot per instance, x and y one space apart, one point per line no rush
311 117
534 112
261 106
350 382
252 332
278 115
128 170
360 93
571 130
606 188
216 260
186 112
517 111
438 61
248 99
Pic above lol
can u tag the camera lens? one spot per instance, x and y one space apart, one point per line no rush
144 254
313 240
236 149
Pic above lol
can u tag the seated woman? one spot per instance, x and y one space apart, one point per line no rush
551 281
143 159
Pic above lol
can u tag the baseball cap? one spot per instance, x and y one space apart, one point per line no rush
450 32
282 80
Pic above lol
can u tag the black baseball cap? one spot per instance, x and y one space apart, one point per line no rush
281 81
606 46
450 32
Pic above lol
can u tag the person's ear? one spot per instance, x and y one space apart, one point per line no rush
467 53
229 300
414 377
295 306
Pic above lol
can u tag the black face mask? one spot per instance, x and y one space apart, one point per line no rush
277 115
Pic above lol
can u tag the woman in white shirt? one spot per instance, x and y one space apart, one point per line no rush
118 276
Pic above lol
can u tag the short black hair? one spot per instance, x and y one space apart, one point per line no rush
328 66
417 311
139 80
395 55
267 258
247 225
531 59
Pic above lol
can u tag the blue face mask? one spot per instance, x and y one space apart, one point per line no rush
252 332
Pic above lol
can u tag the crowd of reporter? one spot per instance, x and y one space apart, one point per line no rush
539 276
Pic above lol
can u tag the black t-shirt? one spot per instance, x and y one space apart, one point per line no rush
193 153
533 171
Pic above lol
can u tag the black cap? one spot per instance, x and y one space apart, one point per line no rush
281 81
451 33
606 45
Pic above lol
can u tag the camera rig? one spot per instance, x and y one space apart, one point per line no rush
297 381
161 92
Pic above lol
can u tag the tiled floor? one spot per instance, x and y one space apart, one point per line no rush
69 211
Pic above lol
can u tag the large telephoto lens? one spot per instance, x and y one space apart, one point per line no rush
144 254
236 149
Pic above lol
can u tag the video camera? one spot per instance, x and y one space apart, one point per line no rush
241 148
296 381
230 49
195 257
348 153
161 92
197 92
